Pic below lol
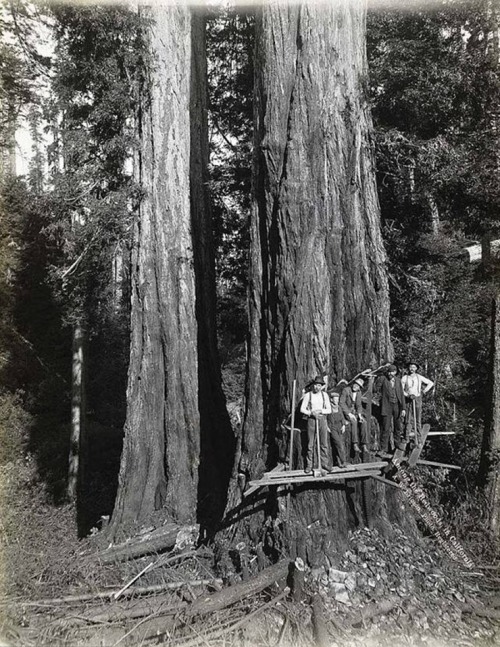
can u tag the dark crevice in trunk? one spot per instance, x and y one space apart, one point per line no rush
217 443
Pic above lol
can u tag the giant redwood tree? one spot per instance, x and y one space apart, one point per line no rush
319 298
174 399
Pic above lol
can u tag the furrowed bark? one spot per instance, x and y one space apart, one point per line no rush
160 458
319 295
319 300
178 440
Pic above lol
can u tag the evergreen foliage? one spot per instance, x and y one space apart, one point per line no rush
434 91
98 62
230 83
431 88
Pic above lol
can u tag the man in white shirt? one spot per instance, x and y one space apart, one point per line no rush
414 387
315 407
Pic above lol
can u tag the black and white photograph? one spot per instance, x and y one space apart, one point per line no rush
249 323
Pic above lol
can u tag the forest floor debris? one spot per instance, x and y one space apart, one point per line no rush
382 591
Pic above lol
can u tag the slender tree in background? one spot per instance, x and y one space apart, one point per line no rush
430 85
318 287
490 456
89 112
174 385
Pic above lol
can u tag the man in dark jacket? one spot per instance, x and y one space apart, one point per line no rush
392 408
352 408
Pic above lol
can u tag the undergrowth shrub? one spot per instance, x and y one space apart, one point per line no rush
37 539
14 424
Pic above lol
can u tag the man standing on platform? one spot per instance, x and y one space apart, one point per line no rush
337 424
315 407
414 387
352 407
392 408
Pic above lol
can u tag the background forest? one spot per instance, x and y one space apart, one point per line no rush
70 85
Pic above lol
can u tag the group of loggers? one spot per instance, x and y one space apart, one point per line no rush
332 412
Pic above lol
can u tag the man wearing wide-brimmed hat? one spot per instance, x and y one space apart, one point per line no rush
315 407
414 387
352 407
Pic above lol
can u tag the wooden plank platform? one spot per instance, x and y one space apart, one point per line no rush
253 488
337 470
436 464
440 433
280 476
428 463
364 470
415 455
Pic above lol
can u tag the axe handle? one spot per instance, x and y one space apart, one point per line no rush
415 421
318 444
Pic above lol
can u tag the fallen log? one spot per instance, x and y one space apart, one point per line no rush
153 542
374 610
482 612
218 633
152 607
133 591
237 592
129 609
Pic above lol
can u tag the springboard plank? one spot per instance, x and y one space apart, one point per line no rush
337 470
311 479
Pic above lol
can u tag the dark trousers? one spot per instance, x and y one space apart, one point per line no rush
392 418
410 425
359 432
338 443
311 442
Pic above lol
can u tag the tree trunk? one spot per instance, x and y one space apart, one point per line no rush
490 456
434 213
489 468
159 467
178 441
77 437
8 143
319 300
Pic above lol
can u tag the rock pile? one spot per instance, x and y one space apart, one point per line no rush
388 583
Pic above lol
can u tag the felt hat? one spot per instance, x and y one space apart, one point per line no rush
392 367
318 380
359 381
411 361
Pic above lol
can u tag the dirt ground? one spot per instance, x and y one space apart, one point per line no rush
57 590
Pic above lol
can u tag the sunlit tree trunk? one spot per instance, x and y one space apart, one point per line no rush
175 408
434 213
160 458
8 143
77 437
